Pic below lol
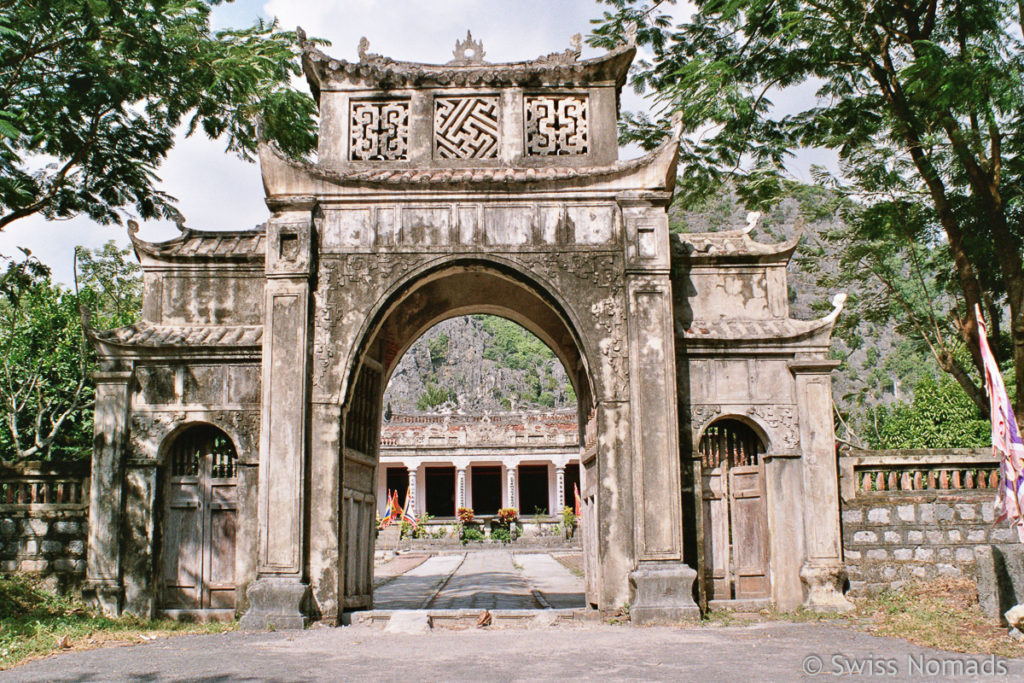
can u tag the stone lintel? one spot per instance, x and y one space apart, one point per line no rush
111 376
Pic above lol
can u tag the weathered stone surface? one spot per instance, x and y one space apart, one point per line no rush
276 604
281 338
663 594
1000 577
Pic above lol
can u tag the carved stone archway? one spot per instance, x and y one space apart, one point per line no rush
440 190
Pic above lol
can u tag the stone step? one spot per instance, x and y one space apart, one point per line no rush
468 618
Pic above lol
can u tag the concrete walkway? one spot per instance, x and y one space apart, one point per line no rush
777 651
486 580
491 578
557 586
416 588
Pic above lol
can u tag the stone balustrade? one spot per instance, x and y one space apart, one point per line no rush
44 520
916 514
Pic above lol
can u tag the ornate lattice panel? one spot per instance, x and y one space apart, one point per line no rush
466 127
557 125
380 130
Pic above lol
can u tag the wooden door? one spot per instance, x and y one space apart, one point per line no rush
717 576
734 513
749 532
199 523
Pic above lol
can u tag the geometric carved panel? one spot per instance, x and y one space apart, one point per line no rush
379 130
466 127
556 125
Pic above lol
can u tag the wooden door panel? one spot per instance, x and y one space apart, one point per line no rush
182 568
749 532
220 580
199 526
716 534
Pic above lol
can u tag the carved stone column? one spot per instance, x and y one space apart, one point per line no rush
556 509
279 596
662 584
110 427
460 489
822 572
512 486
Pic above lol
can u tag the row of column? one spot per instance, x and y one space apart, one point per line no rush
510 493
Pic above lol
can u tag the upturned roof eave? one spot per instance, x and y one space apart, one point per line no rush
284 177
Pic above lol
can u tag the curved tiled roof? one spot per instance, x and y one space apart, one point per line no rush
276 164
236 245
730 244
776 329
379 72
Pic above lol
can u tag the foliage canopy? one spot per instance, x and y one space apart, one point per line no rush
921 100
93 91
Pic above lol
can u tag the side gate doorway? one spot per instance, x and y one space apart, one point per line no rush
200 511
734 512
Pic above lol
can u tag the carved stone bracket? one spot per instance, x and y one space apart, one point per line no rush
695 418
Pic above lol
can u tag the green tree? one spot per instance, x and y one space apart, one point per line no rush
940 416
46 395
92 91
923 101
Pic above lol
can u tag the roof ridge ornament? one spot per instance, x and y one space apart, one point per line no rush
468 51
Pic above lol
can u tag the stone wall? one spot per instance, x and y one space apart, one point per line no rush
916 515
44 521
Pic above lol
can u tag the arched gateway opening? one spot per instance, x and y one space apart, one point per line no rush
451 288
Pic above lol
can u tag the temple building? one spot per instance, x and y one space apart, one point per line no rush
527 461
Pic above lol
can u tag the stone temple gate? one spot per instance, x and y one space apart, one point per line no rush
237 424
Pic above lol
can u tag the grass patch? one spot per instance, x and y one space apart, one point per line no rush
35 622
943 614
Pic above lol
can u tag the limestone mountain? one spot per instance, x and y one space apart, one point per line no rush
476 364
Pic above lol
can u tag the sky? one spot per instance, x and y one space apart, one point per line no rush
217 191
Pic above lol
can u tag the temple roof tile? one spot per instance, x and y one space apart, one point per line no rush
375 71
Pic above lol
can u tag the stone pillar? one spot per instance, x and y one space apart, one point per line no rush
324 527
110 429
662 583
559 490
512 487
413 488
279 596
822 572
460 489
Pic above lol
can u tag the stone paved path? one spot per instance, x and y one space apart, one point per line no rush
778 651
486 580
397 566
415 588
559 588
477 579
